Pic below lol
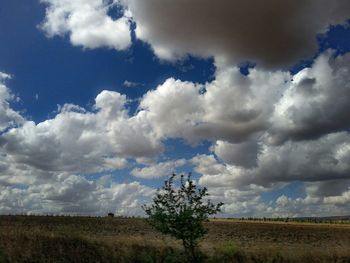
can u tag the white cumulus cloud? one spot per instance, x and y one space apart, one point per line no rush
158 169
79 141
72 194
87 23
8 117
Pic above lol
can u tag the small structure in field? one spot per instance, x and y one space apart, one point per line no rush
110 215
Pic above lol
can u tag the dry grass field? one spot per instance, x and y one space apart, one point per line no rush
84 239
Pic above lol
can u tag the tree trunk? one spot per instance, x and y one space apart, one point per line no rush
191 251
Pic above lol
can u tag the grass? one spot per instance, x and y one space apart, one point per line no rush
83 239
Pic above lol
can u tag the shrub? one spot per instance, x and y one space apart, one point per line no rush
228 252
181 212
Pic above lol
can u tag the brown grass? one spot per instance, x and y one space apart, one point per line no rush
83 239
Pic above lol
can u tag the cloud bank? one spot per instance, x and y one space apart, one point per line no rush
267 129
72 194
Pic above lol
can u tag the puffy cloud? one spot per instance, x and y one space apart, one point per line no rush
207 164
72 194
233 107
343 199
8 117
87 22
298 207
316 102
237 107
326 188
321 160
13 172
311 206
321 164
247 202
158 169
265 105
246 208
78 141
240 202
271 33
174 98
241 154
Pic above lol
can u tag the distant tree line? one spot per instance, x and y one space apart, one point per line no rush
314 220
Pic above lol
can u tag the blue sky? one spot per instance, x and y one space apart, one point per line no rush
102 101
39 65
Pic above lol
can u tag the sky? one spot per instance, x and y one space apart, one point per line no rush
102 100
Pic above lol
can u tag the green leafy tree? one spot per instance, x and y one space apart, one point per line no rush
180 212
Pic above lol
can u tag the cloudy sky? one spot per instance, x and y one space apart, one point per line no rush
101 100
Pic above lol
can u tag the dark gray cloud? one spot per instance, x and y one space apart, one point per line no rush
272 33
327 188
317 102
241 154
326 159
322 164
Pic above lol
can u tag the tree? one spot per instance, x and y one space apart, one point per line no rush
180 212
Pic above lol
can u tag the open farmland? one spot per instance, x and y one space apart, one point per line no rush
84 239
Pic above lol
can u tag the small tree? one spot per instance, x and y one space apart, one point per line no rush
180 212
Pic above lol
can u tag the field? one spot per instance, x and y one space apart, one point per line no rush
84 239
